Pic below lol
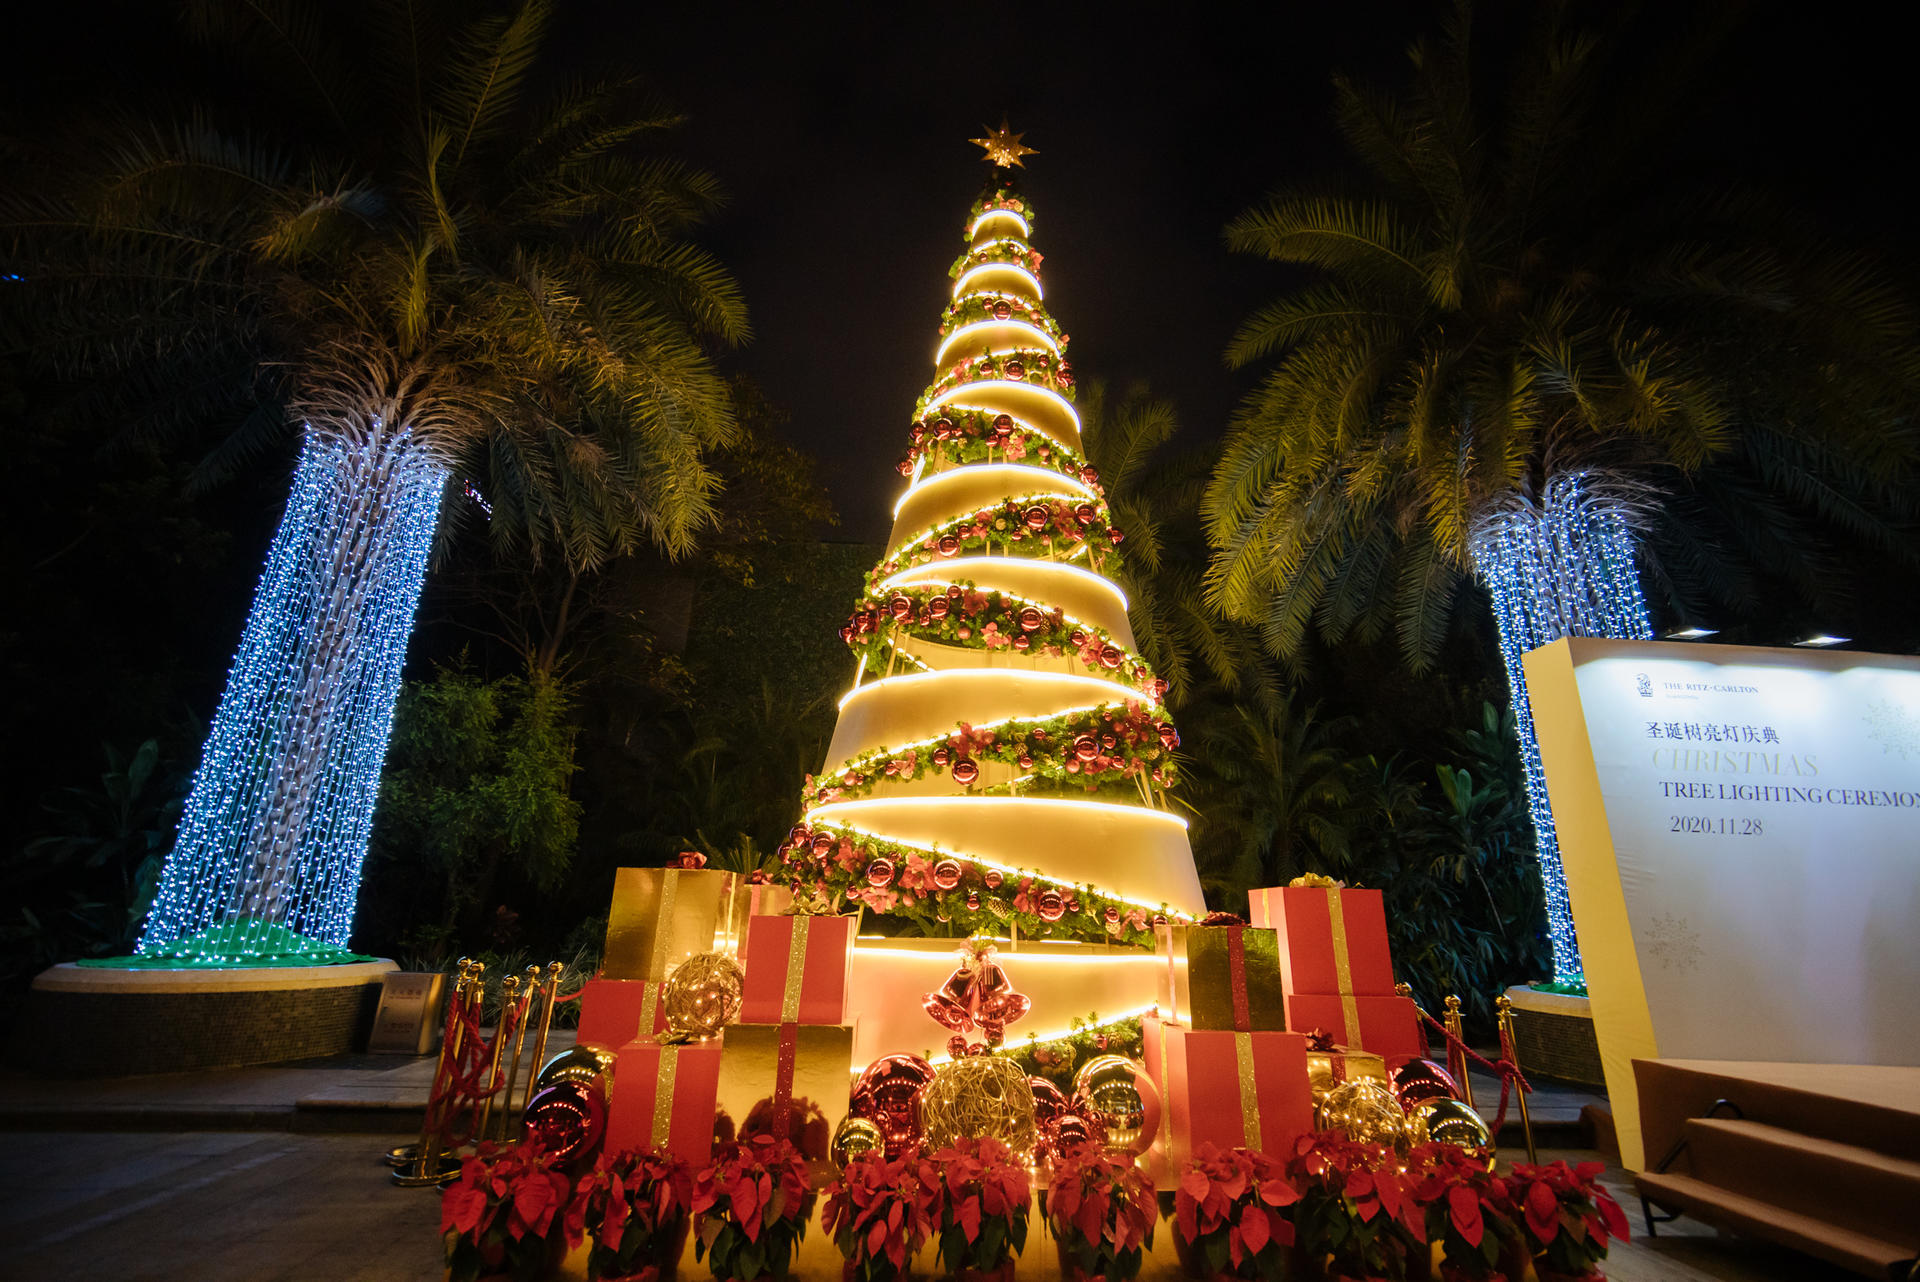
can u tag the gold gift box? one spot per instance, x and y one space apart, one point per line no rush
1323 1077
662 916
818 1065
1196 989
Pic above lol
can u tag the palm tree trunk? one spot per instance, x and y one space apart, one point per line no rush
1563 568
276 827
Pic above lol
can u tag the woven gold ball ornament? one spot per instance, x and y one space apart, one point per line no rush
1451 1121
853 1139
703 995
977 1097
1364 1110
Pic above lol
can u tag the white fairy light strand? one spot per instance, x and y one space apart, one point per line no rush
275 828
1563 568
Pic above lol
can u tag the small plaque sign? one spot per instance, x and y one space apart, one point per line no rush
408 1021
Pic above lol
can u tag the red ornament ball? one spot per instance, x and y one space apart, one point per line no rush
1037 517
1022 642
1050 905
567 1119
822 843
938 607
973 901
946 873
992 877
1084 513
1086 747
1111 656
1032 619
1003 424
949 545
942 429
965 772
1002 310
941 756
880 873
1114 536
900 606
887 1094
1169 737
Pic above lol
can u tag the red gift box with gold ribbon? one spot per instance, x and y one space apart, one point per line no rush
615 1011
1385 1026
797 969
785 1079
663 1098
1233 1089
1333 939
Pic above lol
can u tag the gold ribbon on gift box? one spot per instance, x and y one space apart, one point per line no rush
796 970
663 1096
1249 1088
1343 967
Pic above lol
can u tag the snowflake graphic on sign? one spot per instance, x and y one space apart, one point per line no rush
1892 727
1674 942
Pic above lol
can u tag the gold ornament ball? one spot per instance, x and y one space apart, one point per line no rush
854 1138
1320 1075
1452 1121
977 1097
1365 1111
1115 1092
703 995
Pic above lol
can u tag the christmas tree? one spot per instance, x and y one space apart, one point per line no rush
1001 765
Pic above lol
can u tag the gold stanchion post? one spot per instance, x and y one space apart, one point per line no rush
551 991
427 1154
528 993
1457 1038
1504 1005
509 998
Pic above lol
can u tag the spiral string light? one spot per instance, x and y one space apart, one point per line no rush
276 825
1563 568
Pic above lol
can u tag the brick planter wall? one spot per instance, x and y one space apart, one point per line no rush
114 1032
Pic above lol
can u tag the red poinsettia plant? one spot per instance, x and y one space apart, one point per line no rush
1102 1209
1230 1214
1356 1217
502 1218
984 1197
632 1208
881 1212
1468 1212
1567 1217
753 1204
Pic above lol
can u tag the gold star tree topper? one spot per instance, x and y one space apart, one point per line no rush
1003 146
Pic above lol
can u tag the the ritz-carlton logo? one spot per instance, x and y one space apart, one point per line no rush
1644 684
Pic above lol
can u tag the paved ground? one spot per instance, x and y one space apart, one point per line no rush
279 1207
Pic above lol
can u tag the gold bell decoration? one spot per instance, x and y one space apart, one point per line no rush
976 1097
702 997
1364 1110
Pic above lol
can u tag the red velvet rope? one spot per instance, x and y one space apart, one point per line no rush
1505 1068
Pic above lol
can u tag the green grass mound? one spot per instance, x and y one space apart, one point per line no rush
235 945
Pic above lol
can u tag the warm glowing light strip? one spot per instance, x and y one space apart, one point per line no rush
999 674
1008 869
985 383
1026 228
1110 806
940 356
944 569
1044 473
971 272
837 771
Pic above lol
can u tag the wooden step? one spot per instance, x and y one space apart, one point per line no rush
1862 1253
1857 1188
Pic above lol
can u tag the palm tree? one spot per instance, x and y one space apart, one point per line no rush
1517 347
437 277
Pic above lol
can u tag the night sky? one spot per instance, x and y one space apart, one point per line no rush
843 140
841 133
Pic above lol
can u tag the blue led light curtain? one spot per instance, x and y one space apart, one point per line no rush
1564 568
275 829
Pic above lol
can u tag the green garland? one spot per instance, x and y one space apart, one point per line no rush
955 437
1022 365
944 891
1058 1058
1109 752
1023 519
1010 250
977 308
964 616
1005 198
